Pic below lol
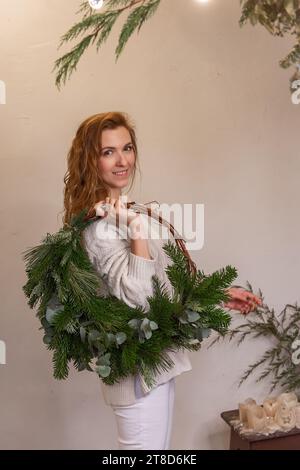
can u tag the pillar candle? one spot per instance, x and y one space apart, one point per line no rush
243 409
256 417
285 416
270 405
290 399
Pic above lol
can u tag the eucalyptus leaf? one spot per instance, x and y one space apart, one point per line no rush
134 323
145 325
47 327
146 329
94 335
104 360
111 338
153 325
47 339
192 316
205 332
104 371
121 337
49 331
148 333
141 337
45 322
51 314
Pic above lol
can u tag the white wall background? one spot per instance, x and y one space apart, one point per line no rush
215 125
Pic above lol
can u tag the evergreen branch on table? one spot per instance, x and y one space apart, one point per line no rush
282 358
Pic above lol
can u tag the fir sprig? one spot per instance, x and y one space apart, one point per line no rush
135 21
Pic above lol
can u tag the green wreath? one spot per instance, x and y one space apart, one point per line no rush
104 334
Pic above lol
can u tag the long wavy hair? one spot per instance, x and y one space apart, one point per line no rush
83 183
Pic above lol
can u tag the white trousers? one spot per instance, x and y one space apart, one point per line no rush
147 424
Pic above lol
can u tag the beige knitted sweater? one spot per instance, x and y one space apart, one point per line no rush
128 277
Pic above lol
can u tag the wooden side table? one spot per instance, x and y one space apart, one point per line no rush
276 441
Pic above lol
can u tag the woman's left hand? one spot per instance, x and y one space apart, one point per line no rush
242 300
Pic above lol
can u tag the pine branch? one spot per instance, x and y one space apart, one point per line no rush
135 20
65 322
67 64
60 357
253 366
178 273
85 9
97 27
279 17
212 288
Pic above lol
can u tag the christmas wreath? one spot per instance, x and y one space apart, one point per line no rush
104 334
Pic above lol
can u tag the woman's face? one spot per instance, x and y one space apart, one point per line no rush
117 157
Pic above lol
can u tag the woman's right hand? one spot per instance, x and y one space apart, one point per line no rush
116 209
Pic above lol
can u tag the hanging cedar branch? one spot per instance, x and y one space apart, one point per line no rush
97 27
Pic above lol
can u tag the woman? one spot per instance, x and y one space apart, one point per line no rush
101 162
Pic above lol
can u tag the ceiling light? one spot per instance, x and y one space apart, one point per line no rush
96 4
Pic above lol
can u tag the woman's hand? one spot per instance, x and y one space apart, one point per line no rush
242 300
117 210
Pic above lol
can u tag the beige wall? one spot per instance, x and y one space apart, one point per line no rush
215 125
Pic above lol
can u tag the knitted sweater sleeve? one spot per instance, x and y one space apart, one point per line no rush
126 275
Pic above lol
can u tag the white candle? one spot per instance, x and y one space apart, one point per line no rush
256 417
290 399
285 416
243 409
270 405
